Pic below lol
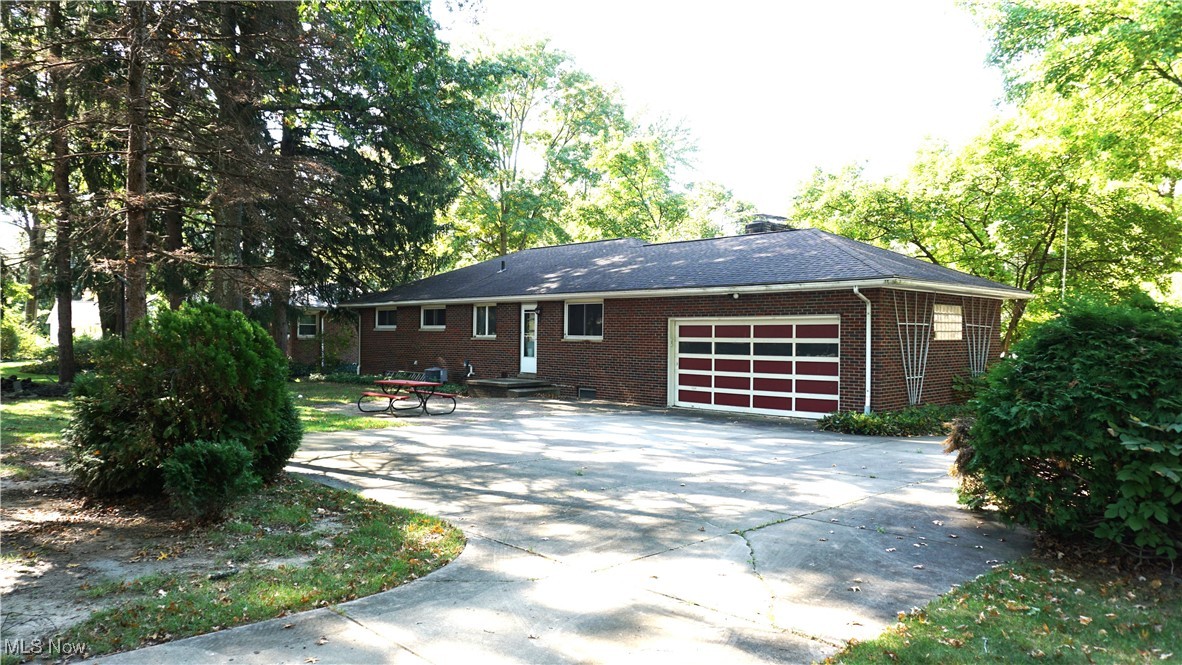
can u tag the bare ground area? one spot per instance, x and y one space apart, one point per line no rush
59 545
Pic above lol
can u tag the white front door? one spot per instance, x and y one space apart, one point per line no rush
529 338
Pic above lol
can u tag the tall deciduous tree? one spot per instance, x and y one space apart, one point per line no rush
552 117
999 209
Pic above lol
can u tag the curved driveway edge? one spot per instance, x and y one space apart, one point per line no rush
600 534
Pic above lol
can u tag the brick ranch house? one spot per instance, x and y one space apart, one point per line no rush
797 323
320 338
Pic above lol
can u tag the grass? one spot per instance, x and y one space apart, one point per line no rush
1037 610
355 548
31 428
31 433
316 402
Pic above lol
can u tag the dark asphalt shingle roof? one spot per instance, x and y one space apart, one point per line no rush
628 264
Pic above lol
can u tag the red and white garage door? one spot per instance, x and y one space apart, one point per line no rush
777 366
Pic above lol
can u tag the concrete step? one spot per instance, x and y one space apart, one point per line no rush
536 391
510 387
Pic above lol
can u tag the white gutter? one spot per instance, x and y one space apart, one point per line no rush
869 355
889 283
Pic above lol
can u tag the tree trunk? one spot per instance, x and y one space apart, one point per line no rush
63 275
1012 329
229 214
136 270
174 283
36 249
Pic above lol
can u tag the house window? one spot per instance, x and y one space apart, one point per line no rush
434 318
387 319
484 321
306 326
584 320
946 322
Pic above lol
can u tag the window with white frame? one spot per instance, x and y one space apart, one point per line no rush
947 323
434 317
306 326
484 321
584 320
387 318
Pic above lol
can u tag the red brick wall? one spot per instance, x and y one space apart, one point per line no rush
341 335
409 348
630 364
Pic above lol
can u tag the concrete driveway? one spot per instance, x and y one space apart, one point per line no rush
600 534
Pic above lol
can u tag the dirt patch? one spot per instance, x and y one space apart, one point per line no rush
61 548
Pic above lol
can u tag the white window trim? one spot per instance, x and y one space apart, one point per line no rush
316 324
566 316
385 309
475 334
945 317
423 312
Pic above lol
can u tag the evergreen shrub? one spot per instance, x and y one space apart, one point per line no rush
925 420
1079 434
203 477
199 373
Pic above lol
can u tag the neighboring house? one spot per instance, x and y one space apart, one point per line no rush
321 337
84 318
772 323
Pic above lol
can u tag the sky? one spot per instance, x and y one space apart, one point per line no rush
771 90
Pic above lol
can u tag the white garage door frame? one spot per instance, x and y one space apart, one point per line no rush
816 381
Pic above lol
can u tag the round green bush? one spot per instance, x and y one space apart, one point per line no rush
1079 434
199 373
203 477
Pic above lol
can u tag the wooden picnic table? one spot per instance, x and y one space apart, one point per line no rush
406 395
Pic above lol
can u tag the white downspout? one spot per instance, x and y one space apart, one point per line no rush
866 408
360 318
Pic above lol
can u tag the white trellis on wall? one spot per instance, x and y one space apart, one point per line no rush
913 314
980 320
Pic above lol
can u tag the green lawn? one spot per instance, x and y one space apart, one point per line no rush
30 429
352 547
317 403
1039 611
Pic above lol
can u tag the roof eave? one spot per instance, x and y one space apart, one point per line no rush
1002 293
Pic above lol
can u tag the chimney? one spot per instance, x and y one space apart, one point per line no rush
761 223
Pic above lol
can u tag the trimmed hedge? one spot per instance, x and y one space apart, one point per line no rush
1079 435
198 374
926 420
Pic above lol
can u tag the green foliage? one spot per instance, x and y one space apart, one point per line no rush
18 340
198 373
203 477
1080 434
86 350
926 420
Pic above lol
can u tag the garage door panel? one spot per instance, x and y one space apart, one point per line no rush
773 367
780 331
732 365
743 332
817 331
733 382
816 405
773 385
777 365
732 399
816 387
816 368
695 364
774 403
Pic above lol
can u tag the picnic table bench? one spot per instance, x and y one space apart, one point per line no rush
398 394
